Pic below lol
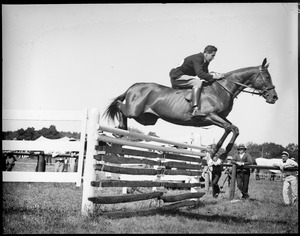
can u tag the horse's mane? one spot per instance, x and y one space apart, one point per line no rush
237 71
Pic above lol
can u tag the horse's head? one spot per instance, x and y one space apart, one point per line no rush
262 81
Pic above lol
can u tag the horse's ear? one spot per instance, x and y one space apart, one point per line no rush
264 63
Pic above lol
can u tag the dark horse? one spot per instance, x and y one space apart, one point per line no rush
146 102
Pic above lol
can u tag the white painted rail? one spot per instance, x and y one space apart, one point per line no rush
17 145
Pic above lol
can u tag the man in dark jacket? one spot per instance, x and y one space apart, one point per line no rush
191 74
242 174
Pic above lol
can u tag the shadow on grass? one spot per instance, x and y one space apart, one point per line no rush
180 212
218 218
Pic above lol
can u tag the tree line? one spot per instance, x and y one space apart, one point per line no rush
266 150
31 134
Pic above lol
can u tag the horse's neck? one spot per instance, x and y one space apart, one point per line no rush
242 76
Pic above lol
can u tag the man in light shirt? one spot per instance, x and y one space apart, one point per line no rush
214 165
290 181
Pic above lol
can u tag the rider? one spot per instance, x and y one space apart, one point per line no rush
191 74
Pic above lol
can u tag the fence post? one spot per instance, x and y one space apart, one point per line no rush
232 182
89 173
207 180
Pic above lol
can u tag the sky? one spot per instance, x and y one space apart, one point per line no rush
74 57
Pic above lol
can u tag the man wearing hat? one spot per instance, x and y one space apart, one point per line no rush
228 170
242 174
290 181
10 161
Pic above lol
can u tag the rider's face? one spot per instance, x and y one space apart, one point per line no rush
209 57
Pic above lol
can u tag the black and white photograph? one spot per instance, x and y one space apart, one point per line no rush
150 118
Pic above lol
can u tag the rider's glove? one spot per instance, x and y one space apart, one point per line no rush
218 76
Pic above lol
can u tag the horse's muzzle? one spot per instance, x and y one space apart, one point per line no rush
270 96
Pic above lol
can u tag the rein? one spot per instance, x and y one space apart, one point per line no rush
246 86
259 93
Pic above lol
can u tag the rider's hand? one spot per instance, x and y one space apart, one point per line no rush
218 76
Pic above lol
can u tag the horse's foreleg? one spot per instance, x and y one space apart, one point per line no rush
235 131
221 141
235 134
228 127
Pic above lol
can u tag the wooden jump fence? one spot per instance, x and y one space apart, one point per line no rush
111 154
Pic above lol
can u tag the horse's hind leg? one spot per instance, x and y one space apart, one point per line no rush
123 118
123 123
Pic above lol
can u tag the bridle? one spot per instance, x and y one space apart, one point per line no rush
255 91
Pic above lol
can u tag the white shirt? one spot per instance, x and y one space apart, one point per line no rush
289 163
241 155
211 162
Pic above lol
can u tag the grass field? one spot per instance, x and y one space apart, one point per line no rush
54 208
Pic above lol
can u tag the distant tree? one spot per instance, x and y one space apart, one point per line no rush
254 150
29 134
20 134
271 150
50 133
8 135
293 150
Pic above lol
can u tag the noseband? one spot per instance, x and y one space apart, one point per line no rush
264 88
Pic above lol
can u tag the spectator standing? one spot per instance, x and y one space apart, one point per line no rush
228 170
41 162
72 162
214 166
216 175
290 181
242 174
10 161
49 159
59 162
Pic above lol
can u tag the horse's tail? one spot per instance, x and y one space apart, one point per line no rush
113 111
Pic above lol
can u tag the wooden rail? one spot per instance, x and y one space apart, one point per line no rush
113 155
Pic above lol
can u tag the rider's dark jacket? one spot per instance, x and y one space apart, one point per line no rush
193 65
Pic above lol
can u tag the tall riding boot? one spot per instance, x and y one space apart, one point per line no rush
195 101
